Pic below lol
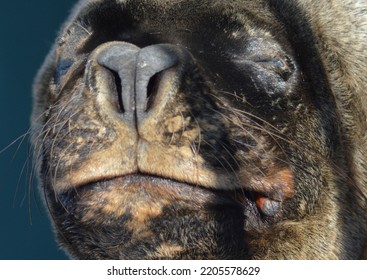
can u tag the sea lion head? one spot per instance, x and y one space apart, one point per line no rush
186 129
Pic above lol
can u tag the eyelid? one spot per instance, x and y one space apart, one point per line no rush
62 68
282 64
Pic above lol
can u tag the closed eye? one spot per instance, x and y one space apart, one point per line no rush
283 66
61 69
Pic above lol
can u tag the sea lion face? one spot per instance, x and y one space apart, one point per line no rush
184 129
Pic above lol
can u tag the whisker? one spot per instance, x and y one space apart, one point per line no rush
20 138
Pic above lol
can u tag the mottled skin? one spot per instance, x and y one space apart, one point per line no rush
247 140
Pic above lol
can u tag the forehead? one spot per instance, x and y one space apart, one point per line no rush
178 15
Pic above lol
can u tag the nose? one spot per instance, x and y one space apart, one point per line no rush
139 74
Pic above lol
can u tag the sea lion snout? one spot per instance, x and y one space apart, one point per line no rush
142 79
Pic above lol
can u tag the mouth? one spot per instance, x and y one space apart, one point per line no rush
151 159
120 195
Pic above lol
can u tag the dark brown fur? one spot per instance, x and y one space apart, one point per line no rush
249 141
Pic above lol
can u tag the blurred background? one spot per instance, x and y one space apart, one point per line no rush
27 31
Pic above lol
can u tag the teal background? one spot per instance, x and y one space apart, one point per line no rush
27 31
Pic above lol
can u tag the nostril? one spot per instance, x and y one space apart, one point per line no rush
152 89
120 60
118 85
152 64
115 88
